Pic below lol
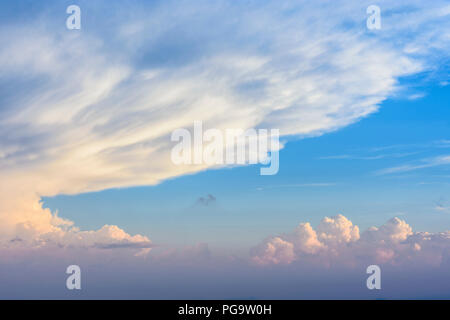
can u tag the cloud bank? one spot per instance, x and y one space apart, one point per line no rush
336 242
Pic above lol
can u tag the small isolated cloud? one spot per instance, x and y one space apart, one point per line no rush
442 205
416 96
206 201
337 241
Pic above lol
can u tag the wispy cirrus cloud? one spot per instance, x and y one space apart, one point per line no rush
299 185
368 157
390 151
421 164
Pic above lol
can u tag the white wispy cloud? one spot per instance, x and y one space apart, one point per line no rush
368 157
396 151
299 185
422 164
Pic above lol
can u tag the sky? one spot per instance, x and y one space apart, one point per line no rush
86 118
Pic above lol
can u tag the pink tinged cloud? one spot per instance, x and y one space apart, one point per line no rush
336 241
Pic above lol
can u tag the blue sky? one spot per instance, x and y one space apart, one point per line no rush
86 118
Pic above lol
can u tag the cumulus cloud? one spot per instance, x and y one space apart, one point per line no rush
336 241
85 111
337 230
65 235
275 250
305 239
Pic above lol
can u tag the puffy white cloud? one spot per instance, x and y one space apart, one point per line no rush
305 239
66 236
85 111
25 223
107 237
395 230
337 230
275 250
338 243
